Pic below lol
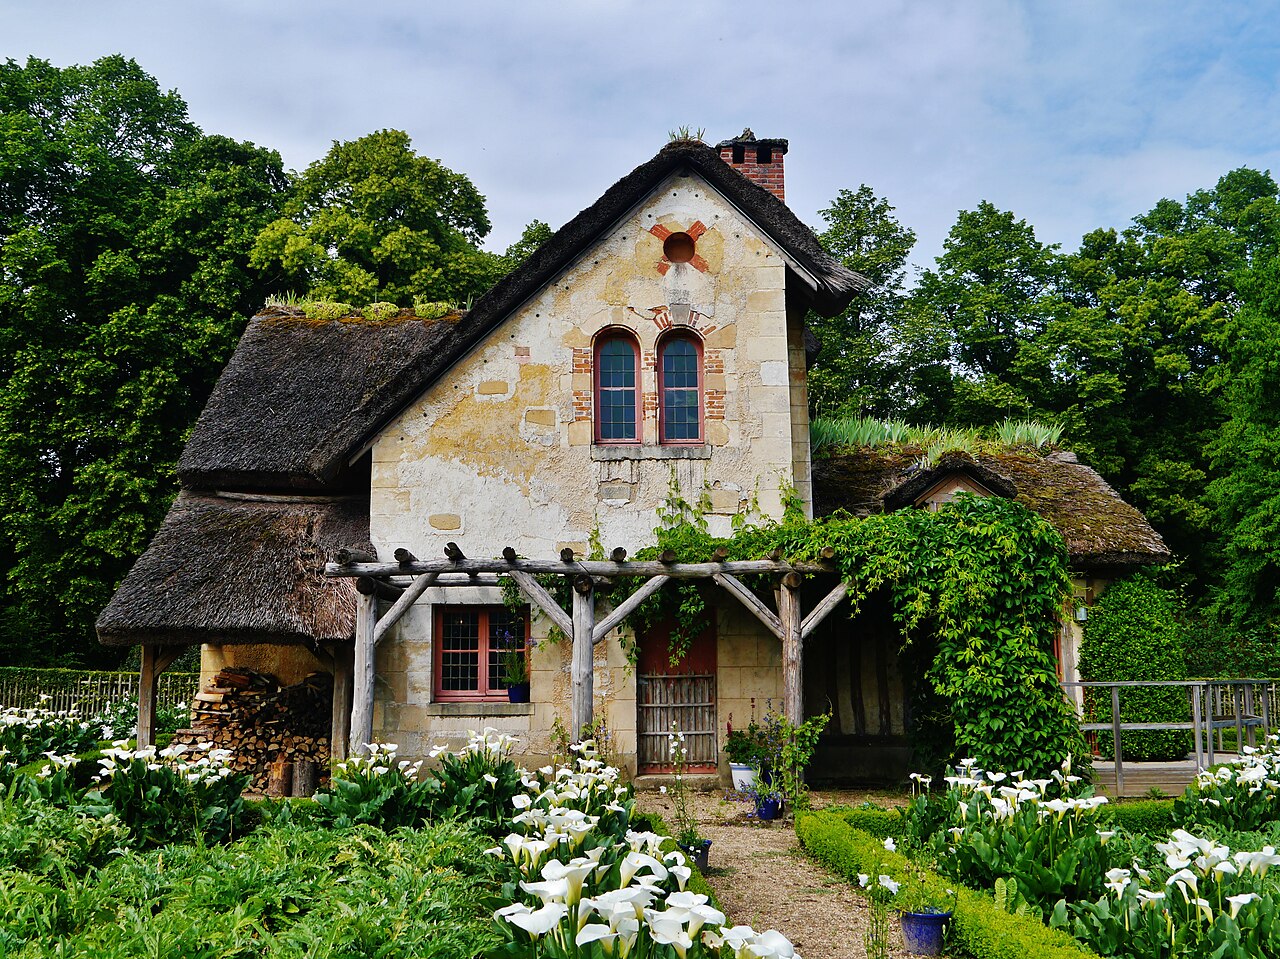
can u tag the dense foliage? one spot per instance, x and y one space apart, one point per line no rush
977 588
1136 632
124 282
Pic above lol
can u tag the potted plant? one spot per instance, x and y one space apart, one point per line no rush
924 915
768 799
748 753
515 675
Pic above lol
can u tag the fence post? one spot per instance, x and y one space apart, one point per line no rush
1115 732
1196 722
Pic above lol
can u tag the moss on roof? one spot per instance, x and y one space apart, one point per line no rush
1101 530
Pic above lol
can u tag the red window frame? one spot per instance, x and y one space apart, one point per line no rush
452 651
597 391
663 346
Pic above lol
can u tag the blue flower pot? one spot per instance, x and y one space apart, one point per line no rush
767 809
922 932
518 693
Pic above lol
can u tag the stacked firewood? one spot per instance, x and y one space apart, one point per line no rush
264 723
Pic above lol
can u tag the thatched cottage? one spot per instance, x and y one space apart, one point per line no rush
656 340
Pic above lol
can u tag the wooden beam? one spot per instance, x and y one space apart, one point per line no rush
820 612
348 557
627 607
591 567
401 605
582 666
792 654
749 599
362 691
340 720
535 594
370 586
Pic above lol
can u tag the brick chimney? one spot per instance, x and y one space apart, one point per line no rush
760 161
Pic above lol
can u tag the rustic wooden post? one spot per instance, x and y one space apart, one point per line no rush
583 665
280 779
340 723
362 692
147 698
792 653
155 660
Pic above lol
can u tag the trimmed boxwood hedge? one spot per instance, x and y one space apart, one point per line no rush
978 926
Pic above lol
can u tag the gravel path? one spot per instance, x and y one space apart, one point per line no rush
764 880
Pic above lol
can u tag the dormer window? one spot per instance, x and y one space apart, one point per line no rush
617 394
680 389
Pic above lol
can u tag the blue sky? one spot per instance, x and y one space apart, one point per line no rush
1074 115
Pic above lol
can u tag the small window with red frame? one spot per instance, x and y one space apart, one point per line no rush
617 394
680 389
474 649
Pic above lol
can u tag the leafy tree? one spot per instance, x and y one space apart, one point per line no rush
1245 496
534 235
372 221
124 282
858 370
995 291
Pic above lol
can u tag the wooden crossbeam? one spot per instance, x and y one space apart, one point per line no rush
401 605
749 599
821 611
627 607
534 592
601 567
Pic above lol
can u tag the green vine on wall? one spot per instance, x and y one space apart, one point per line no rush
982 583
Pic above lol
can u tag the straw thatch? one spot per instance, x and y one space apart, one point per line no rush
283 412
1101 530
234 571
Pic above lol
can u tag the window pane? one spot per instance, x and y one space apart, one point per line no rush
460 650
681 413
617 365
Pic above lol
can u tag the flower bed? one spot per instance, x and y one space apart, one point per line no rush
1112 876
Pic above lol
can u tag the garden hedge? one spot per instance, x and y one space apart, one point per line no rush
1152 817
1135 632
978 927
882 823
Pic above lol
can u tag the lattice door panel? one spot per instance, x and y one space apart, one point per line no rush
689 702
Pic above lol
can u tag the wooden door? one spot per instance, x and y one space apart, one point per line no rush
683 694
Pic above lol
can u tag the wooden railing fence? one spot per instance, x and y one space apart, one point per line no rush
87 691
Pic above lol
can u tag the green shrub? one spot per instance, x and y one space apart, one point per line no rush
878 822
431 309
380 311
1149 817
978 927
325 310
1135 632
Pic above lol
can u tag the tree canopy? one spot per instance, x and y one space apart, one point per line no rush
124 283
373 221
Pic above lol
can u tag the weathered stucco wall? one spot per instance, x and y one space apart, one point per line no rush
500 453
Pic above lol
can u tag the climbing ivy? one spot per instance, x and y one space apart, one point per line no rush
982 582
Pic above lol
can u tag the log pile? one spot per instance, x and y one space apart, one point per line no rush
262 722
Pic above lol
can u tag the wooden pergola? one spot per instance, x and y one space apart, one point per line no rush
353 690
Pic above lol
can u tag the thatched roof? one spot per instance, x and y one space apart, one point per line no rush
301 397
1101 530
282 414
232 571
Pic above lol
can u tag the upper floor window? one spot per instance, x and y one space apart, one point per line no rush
473 649
680 389
617 391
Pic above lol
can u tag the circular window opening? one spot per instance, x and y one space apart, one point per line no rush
678 248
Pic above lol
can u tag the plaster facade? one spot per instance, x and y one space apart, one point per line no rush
500 452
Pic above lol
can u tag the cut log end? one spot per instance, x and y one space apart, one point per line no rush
619 554
509 554
566 555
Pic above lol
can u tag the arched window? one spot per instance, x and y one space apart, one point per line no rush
617 394
680 389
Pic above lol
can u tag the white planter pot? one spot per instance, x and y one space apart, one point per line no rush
744 777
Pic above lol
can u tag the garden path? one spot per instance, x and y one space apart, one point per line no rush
764 880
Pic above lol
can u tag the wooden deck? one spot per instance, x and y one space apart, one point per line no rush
1170 778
